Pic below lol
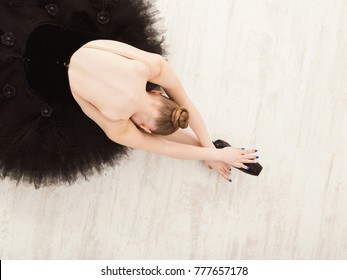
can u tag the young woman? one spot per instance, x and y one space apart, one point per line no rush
82 85
144 120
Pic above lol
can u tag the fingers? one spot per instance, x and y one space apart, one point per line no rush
243 157
223 174
243 166
248 156
243 151
224 171
248 161
221 168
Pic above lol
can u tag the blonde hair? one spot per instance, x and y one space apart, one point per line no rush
172 117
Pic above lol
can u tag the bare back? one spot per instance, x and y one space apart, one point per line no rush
108 81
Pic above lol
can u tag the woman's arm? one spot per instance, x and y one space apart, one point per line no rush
126 133
134 138
174 88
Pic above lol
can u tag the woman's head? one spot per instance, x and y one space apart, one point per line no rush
162 116
171 117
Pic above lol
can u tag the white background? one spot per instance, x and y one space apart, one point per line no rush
268 74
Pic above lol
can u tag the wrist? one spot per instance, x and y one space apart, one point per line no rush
215 154
207 144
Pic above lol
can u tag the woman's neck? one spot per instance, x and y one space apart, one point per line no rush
145 109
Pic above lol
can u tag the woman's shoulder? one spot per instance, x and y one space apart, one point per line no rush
152 61
113 44
106 42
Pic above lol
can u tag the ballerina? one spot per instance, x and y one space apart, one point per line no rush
148 121
68 107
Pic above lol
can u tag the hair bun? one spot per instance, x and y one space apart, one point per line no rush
180 118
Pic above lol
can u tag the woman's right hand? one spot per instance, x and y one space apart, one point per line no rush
237 157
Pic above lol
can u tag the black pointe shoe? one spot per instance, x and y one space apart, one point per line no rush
254 168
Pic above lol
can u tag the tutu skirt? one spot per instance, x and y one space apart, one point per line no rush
45 138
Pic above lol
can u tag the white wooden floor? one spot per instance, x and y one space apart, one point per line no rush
268 74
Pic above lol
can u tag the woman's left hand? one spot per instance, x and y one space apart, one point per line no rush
220 167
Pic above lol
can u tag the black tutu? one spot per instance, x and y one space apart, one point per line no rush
45 138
